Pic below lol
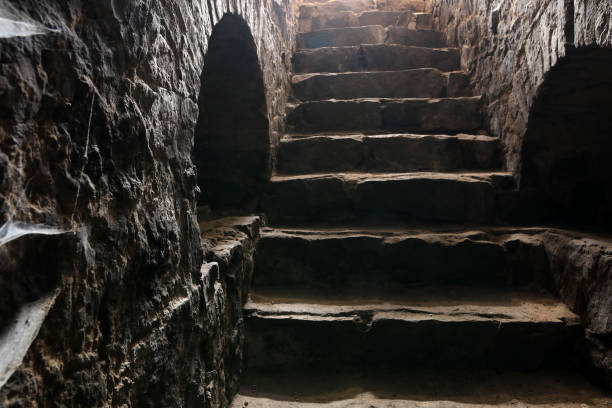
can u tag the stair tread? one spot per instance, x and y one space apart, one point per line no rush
304 76
454 232
386 100
293 137
356 47
336 29
424 388
359 177
378 134
444 304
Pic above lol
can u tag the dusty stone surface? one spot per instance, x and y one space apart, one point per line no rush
420 389
96 136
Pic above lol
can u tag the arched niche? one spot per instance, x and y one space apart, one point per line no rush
566 174
232 146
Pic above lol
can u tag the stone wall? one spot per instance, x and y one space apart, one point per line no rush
508 47
541 66
98 103
581 271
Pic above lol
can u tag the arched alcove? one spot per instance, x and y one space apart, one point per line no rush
566 174
232 146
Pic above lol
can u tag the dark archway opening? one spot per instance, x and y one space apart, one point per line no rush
566 175
232 148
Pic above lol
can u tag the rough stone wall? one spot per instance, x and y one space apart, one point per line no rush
98 103
581 271
509 46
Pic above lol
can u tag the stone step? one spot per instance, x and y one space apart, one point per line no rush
389 197
422 115
353 19
315 8
379 57
387 153
389 261
419 388
421 21
374 34
488 330
413 83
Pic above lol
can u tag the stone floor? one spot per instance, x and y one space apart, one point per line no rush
422 389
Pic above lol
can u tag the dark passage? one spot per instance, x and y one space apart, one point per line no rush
231 137
566 169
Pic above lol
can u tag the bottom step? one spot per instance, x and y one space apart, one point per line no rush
429 328
420 389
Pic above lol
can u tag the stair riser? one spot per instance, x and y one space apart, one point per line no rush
387 154
351 19
312 9
418 83
342 37
302 344
375 58
369 262
375 34
411 200
399 84
412 115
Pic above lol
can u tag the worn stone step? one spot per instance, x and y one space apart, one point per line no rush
489 330
373 34
379 57
368 197
413 83
387 153
353 19
419 388
421 21
426 115
316 8
387 261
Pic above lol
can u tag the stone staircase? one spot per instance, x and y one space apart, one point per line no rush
351 307
383 127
